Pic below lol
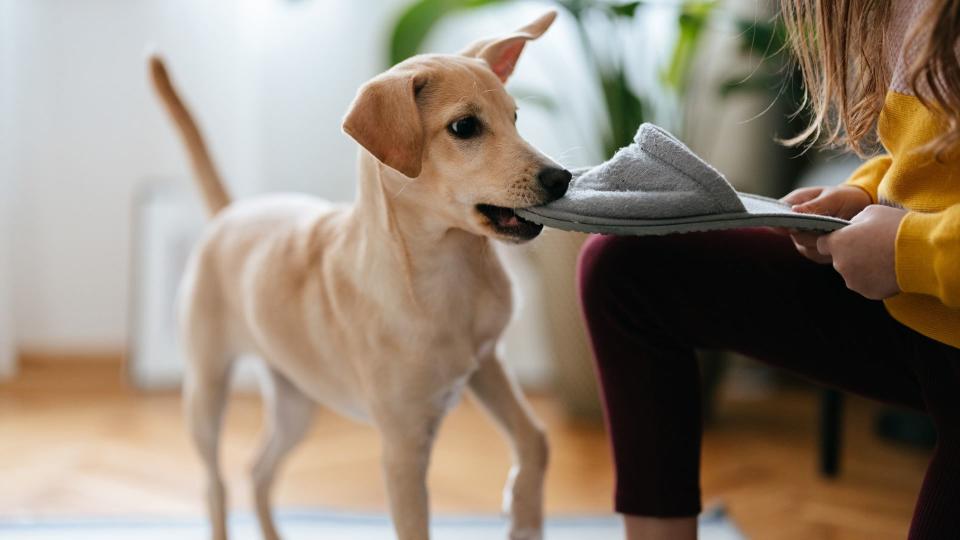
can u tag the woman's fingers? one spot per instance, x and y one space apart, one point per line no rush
805 239
806 244
842 201
815 255
802 195
823 204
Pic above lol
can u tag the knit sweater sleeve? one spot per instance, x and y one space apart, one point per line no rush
928 254
868 176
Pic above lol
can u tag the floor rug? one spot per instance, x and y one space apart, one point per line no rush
311 524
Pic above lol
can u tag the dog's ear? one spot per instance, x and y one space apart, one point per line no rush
502 53
385 120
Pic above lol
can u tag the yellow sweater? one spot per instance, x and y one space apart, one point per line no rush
928 241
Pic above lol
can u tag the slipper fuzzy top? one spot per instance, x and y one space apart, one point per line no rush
656 177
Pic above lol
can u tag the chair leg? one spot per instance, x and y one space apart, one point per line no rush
713 366
831 427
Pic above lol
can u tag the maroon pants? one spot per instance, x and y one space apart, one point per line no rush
649 301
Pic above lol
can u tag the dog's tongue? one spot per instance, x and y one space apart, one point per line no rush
509 220
505 217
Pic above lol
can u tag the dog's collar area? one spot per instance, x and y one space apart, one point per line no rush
506 222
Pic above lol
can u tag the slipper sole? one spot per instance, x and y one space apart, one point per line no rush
762 212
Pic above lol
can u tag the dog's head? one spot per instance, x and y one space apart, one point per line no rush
446 123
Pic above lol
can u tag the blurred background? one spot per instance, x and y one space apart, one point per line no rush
98 215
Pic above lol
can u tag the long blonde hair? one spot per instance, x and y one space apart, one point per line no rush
841 48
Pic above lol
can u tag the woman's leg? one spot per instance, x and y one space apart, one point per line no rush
649 301
937 513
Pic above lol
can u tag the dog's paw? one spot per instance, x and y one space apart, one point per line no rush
526 534
507 506
523 502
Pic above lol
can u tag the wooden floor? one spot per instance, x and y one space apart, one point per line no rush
77 441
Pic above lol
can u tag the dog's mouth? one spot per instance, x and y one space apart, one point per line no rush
507 223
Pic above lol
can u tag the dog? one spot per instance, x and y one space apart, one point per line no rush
386 309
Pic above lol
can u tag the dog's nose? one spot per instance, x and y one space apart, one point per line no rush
554 181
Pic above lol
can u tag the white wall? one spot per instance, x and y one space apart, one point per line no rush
7 151
266 78
87 133
311 56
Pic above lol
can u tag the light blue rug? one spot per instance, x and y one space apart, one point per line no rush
303 525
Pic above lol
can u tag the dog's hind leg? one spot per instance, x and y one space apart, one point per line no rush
523 494
287 418
205 388
205 391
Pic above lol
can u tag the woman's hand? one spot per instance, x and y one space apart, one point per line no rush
864 252
842 201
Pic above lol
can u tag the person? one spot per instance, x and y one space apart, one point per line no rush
873 308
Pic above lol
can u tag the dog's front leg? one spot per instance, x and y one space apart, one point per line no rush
408 432
523 494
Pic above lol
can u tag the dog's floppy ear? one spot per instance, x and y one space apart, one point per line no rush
502 53
384 119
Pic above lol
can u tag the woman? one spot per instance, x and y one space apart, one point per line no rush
809 304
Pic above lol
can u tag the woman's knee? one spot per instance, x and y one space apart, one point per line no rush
624 285
596 265
617 267
603 270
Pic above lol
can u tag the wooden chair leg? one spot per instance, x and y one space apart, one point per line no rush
831 428
713 366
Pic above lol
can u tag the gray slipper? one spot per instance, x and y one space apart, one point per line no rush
659 186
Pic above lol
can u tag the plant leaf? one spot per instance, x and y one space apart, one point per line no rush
692 20
764 38
627 9
755 82
414 24
625 111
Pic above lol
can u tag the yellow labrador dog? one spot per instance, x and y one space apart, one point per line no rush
385 309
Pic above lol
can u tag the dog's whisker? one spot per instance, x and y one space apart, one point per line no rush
568 151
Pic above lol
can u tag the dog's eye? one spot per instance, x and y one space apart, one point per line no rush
465 127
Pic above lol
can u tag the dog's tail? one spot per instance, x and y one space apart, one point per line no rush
214 194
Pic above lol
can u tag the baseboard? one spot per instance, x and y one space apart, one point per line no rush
78 370
48 359
58 358
8 365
